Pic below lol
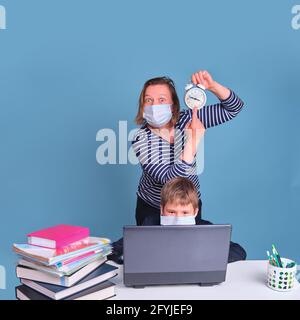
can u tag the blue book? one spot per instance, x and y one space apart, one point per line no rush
102 291
101 274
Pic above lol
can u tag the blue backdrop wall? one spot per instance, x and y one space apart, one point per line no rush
70 68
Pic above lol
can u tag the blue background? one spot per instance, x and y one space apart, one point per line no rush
70 68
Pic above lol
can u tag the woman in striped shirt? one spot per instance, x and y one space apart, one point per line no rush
167 142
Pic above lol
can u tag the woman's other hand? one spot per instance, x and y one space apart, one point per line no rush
195 128
194 131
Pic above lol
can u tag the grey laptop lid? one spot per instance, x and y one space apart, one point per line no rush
189 253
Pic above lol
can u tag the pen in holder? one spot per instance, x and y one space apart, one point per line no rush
282 278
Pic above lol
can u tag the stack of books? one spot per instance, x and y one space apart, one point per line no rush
64 263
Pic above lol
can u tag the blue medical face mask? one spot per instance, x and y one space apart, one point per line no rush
158 115
174 220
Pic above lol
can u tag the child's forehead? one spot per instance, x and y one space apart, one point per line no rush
178 203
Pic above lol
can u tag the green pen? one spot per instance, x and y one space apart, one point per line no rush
274 260
277 256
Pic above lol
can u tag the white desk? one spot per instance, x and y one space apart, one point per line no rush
245 280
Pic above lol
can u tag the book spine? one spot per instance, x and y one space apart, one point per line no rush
40 276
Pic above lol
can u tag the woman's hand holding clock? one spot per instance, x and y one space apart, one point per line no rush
204 78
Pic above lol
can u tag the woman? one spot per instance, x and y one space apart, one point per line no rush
167 141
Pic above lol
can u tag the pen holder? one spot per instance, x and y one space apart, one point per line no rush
281 279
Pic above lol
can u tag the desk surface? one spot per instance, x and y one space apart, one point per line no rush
245 280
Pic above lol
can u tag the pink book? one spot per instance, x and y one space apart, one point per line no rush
88 254
58 236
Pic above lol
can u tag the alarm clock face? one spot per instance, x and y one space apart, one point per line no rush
195 97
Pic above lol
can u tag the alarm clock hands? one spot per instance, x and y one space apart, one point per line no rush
195 98
203 78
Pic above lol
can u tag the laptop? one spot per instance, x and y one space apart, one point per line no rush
156 255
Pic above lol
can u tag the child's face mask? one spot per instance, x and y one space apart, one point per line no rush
177 220
174 214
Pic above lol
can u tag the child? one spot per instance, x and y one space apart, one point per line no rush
179 206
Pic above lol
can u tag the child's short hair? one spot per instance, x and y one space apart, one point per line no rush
179 190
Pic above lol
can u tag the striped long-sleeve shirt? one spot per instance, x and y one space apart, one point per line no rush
160 160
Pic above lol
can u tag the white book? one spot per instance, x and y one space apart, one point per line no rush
102 291
99 275
65 281
66 270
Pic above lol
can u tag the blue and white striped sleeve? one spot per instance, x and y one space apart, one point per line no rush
213 115
160 170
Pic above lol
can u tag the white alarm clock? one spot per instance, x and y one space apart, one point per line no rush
195 96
